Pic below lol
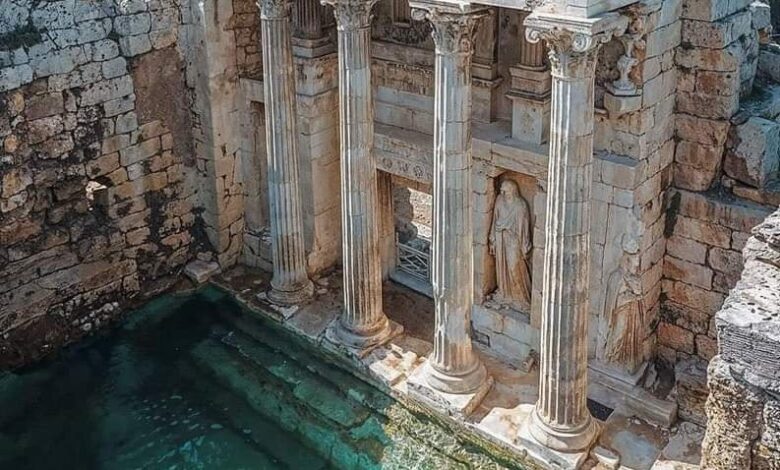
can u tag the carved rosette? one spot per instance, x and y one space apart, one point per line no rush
453 32
274 9
351 14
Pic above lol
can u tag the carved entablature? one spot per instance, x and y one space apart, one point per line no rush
573 43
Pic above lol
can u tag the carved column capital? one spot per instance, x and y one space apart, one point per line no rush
453 29
573 43
352 14
274 9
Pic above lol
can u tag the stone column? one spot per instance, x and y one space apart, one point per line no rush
363 323
453 367
561 419
290 283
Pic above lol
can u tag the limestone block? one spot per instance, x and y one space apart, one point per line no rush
691 379
753 156
530 119
761 15
686 249
768 62
704 131
691 273
734 413
711 10
135 45
675 337
723 60
619 105
716 34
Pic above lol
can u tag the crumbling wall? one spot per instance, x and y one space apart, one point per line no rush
743 409
97 204
725 169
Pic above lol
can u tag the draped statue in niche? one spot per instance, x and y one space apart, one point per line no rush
510 244
620 337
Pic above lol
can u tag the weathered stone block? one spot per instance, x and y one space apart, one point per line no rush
753 155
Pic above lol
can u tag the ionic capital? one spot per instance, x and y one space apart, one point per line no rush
351 14
573 43
453 28
274 9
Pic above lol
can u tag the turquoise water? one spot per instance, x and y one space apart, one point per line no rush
198 383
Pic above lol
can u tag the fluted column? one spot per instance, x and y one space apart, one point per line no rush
290 283
453 367
363 323
561 419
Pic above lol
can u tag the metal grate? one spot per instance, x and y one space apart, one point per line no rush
414 258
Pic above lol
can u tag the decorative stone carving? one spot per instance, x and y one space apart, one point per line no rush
290 283
510 244
620 333
274 9
624 86
561 420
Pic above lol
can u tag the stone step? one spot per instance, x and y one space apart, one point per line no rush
393 416
270 397
325 399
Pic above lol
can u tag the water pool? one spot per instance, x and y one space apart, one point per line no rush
191 382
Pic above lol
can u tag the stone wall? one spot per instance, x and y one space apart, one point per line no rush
743 410
725 166
99 203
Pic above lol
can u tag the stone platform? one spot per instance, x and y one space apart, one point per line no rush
497 422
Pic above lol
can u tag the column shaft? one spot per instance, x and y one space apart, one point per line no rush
561 419
453 367
290 283
363 323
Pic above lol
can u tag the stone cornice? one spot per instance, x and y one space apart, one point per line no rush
352 14
573 42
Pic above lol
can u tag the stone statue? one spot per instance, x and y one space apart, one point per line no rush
620 336
510 243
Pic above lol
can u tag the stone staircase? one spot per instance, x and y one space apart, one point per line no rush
343 420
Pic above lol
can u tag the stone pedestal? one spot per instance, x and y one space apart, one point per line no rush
530 94
561 420
290 283
363 324
453 368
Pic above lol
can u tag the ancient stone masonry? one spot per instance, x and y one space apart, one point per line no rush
725 171
743 409
94 207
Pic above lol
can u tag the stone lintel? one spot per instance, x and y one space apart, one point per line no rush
458 405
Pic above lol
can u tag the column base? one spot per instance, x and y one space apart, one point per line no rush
289 298
567 440
542 453
357 344
423 386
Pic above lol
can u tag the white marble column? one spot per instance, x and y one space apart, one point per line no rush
561 419
362 324
290 283
453 367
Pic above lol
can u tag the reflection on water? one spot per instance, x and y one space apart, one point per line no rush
195 382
